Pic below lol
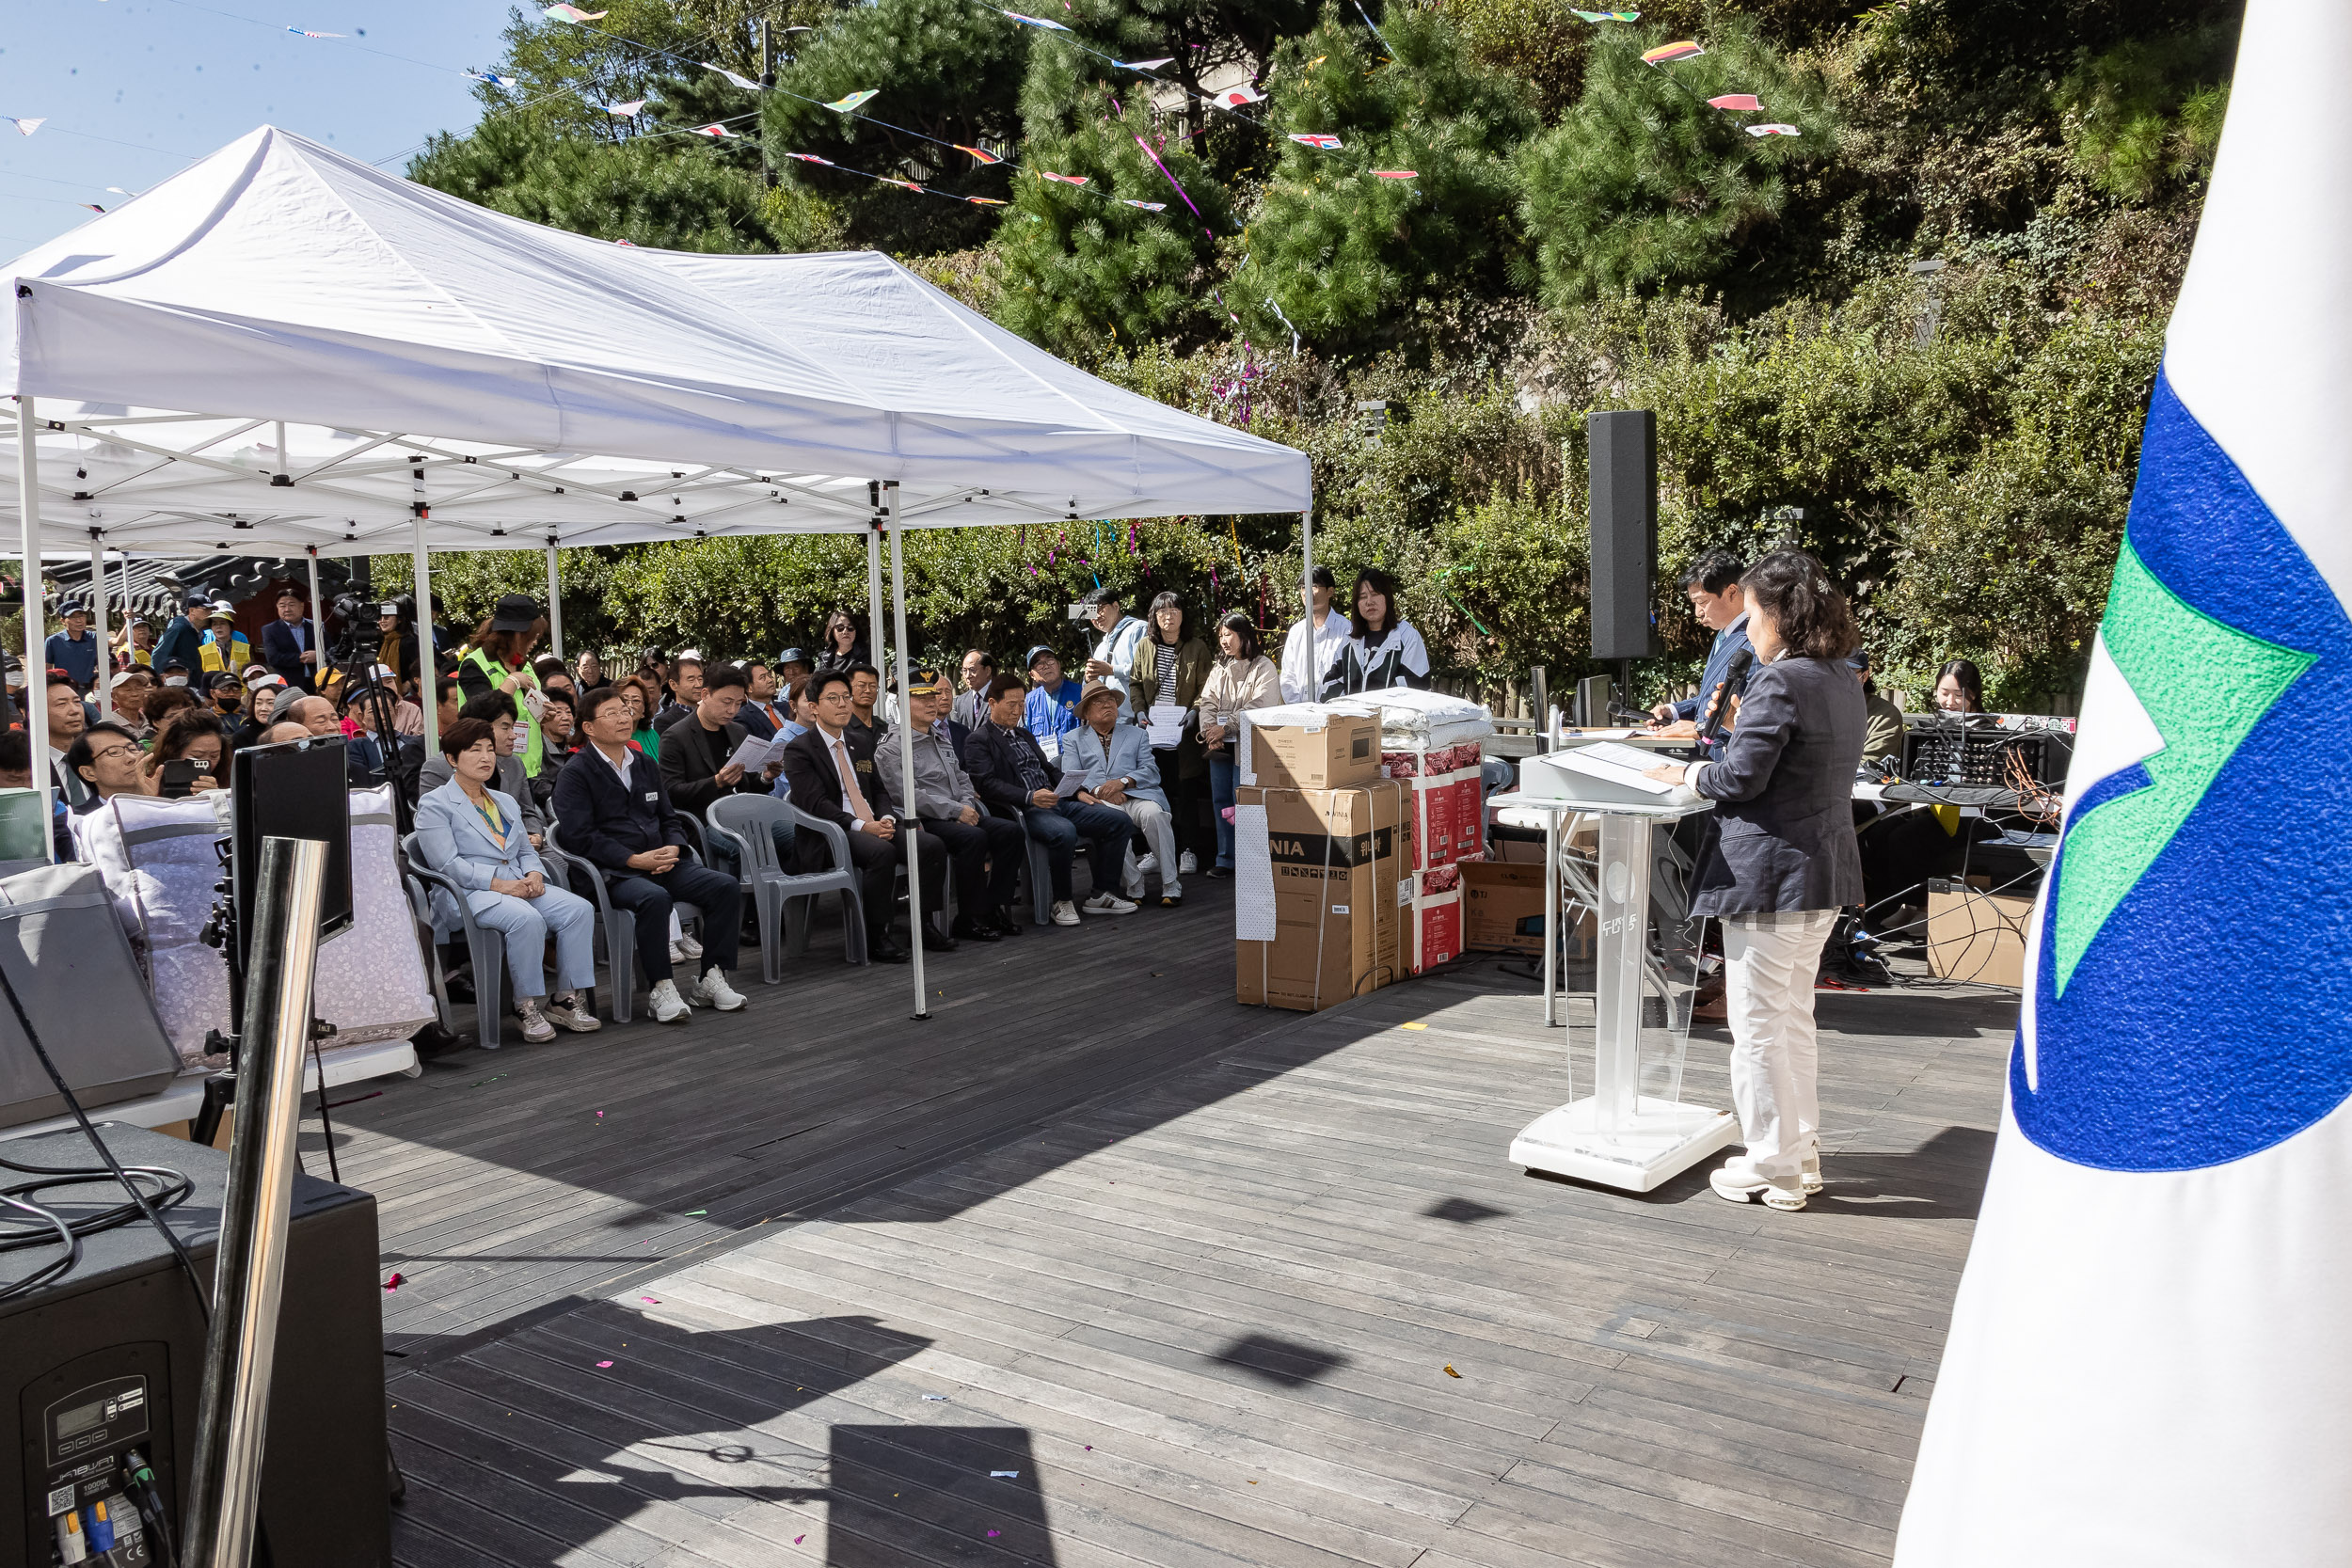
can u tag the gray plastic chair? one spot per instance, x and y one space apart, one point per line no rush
620 926
487 947
1040 872
778 895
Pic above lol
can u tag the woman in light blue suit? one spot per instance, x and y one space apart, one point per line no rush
475 835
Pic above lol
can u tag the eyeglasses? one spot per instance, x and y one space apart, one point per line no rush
113 751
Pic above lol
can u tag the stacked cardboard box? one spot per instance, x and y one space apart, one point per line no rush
1323 850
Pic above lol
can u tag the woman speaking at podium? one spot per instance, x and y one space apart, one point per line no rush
1781 864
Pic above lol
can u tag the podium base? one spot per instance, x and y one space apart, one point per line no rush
1660 1141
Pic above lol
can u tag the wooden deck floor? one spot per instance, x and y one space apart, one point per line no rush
1194 1272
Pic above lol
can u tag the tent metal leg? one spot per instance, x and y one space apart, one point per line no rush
428 669
876 640
555 602
98 625
35 655
1307 569
906 756
318 608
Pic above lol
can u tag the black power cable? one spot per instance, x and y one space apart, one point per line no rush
172 1188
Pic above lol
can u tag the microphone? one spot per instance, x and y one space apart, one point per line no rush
1734 682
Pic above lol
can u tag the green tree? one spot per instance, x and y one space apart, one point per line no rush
2147 114
1077 264
946 71
1342 252
1642 184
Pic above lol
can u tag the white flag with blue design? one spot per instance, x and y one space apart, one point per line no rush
2150 1355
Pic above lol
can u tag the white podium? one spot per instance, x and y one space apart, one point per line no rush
1618 1135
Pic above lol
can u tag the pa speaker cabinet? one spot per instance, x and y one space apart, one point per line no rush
112 1357
1623 449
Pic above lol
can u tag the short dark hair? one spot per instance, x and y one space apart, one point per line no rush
718 675
1714 571
490 706
818 683
1248 629
1008 681
16 751
1795 591
988 661
185 727
164 699
464 732
57 678
1383 585
594 702
1321 577
558 695
77 756
442 687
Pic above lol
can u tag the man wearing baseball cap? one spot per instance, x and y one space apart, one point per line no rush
1051 708
75 650
177 643
986 851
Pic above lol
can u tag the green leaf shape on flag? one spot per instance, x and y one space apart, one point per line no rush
2205 686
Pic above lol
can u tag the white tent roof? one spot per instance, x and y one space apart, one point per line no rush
552 384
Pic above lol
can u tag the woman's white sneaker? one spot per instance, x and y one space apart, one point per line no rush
1065 912
1109 903
536 1029
1736 1182
666 1005
713 990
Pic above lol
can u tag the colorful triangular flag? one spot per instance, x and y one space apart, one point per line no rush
1606 16
1144 64
1741 102
1395 174
1324 140
717 132
846 105
1234 97
1771 130
983 201
26 127
1065 179
301 34
743 82
1036 22
981 154
812 158
1665 53
1147 206
493 78
625 111
573 13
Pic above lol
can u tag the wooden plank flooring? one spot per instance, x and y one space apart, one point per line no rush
1194 1272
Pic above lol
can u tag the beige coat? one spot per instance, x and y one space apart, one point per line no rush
1237 685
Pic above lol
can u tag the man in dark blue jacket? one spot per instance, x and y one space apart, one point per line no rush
180 639
287 645
611 808
1712 585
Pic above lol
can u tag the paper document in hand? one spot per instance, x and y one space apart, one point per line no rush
755 754
1070 785
1619 764
1166 729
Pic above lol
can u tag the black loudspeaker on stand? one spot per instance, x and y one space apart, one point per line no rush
1623 471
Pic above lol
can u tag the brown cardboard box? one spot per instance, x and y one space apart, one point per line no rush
1334 889
1498 898
1340 752
1976 936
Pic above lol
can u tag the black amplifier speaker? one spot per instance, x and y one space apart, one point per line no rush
1622 467
100 1370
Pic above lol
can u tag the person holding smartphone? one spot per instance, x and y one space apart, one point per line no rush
191 755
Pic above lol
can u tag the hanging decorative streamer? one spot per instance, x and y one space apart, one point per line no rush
1771 130
1395 174
1144 67
26 127
981 154
1667 53
743 82
1147 206
1738 102
1065 179
1035 22
716 132
300 34
1318 140
573 14
625 111
845 105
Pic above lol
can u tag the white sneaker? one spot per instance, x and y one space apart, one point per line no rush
1738 1182
1065 912
1109 903
688 946
666 1005
677 955
1809 1177
713 990
1188 863
1145 867
536 1029
570 1012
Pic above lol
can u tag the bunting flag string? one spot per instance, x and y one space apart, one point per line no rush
26 127
302 33
743 82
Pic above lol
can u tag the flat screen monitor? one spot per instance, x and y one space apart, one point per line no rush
294 789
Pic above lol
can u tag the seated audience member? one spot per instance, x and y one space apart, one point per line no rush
1051 710
588 669
614 813
759 715
315 714
971 705
471 833
1243 679
1883 734
559 733
642 695
1011 774
793 664
833 784
1384 650
686 690
1959 688
128 701
195 735
496 709
165 701
283 730
553 676
840 647
68 719
698 767
106 758
987 851
374 747
1122 771
172 673
800 710
864 691
227 694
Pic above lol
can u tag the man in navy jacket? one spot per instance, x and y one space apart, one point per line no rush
287 645
611 809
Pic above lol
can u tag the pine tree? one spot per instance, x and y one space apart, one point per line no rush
1078 265
945 71
1336 248
1642 184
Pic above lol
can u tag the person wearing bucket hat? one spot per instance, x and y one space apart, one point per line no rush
223 650
497 658
1122 771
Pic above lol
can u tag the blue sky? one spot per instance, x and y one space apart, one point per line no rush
133 90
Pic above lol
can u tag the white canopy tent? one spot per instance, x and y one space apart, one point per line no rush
280 350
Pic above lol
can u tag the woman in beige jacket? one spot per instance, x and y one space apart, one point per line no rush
1243 678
